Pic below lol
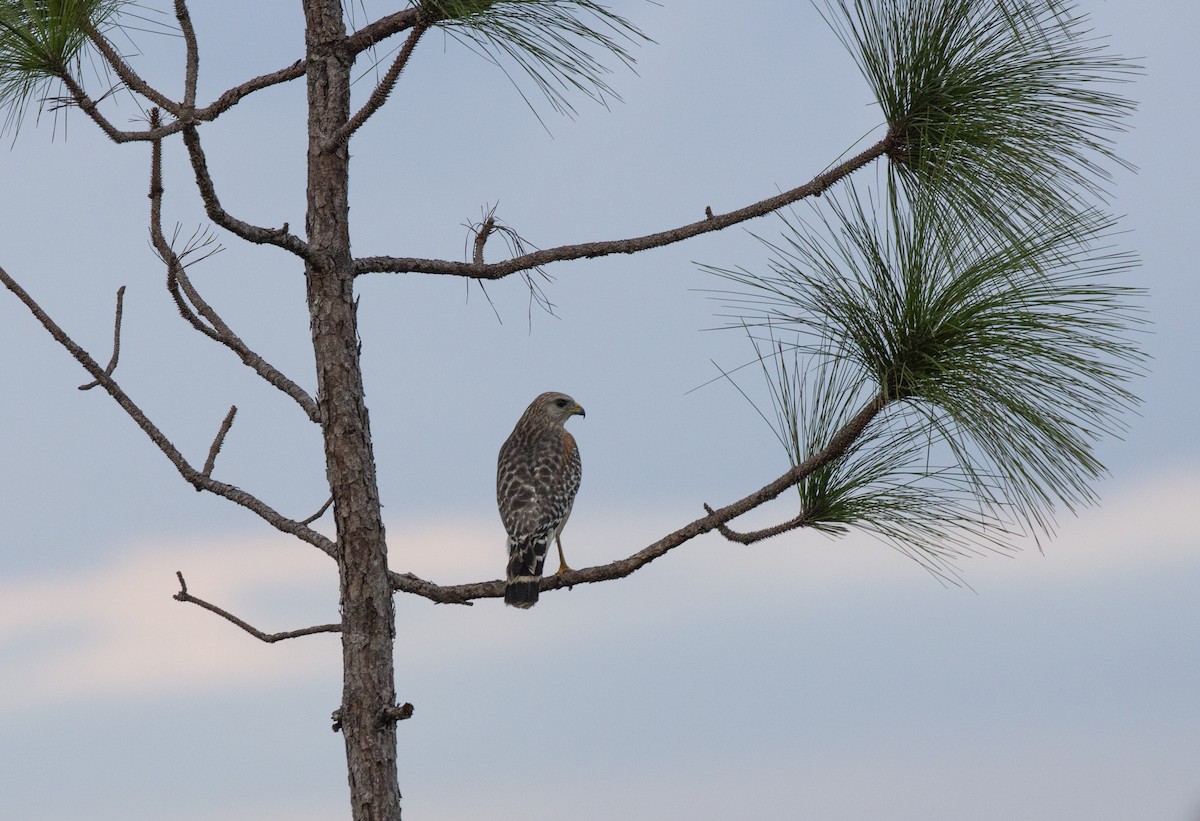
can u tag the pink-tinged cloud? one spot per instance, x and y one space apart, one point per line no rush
115 630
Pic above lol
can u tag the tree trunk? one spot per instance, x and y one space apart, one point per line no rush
366 595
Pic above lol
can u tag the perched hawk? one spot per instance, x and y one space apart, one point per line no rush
536 480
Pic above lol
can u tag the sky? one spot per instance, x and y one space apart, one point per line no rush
804 677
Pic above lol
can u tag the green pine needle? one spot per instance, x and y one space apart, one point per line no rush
40 42
559 43
1009 360
1004 108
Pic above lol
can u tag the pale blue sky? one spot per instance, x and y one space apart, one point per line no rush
802 678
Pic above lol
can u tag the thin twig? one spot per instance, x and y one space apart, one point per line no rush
218 441
382 91
318 514
717 222
128 76
192 69
270 638
112 363
836 447
189 473
481 236
801 520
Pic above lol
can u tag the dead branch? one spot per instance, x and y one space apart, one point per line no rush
112 363
218 441
714 520
382 91
319 513
270 638
180 286
481 236
185 115
127 75
233 96
802 520
192 65
717 222
189 473
280 237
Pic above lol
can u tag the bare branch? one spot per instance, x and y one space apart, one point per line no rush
218 441
180 286
128 76
189 473
223 103
318 514
716 222
383 28
481 236
836 447
270 638
112 363
212 206
192 69
802 520
382 91
233 96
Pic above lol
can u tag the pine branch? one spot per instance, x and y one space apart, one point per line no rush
194 477
588 250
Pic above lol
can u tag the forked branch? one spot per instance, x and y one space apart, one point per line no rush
270 638
711 222
838 444
194 477
382 91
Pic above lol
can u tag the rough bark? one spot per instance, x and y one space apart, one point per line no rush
366 592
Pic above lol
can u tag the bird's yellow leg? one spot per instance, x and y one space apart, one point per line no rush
562 563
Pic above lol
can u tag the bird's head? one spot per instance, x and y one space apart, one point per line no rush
558 406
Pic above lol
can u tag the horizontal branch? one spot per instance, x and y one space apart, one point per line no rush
711 222
270 638
838 444
194 477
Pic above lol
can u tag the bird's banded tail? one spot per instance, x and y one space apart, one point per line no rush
525 561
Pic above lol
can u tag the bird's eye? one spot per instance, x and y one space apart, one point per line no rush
562 403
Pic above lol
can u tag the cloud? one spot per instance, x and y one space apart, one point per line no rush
114 630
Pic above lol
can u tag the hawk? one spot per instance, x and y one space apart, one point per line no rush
537 477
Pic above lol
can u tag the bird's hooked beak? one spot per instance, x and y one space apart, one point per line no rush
578 410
